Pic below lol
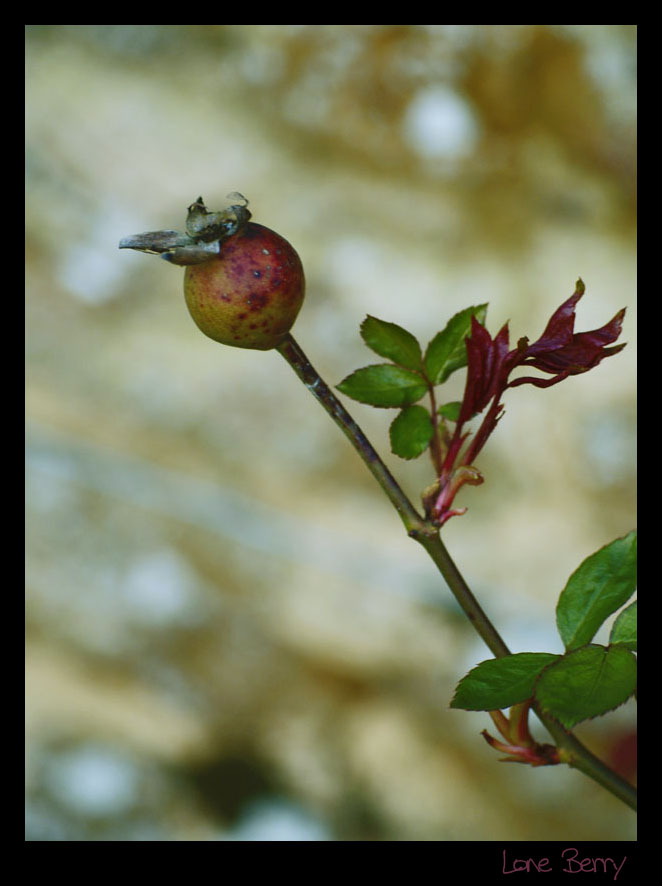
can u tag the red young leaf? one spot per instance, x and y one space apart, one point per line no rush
559 351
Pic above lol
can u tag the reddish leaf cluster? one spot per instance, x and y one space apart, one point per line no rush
560 351
519 745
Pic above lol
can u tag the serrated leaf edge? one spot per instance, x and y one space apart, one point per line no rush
549 712
374 366
569 645
420 365
518 701
440 377
390 434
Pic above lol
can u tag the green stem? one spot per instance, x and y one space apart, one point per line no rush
572 751
578 756
431 541
291 351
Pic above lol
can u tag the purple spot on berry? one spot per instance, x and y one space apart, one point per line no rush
257 301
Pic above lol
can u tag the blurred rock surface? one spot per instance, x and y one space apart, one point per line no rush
218 593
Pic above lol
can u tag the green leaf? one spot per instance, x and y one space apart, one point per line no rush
384 385
448 351
450 411
393 342
599 586
586 683
411 432
624 630
501 682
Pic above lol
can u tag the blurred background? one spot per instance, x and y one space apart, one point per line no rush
229 635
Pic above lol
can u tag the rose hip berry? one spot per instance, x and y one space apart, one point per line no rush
248 295
243 283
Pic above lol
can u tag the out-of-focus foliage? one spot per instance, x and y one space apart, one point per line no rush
229 635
